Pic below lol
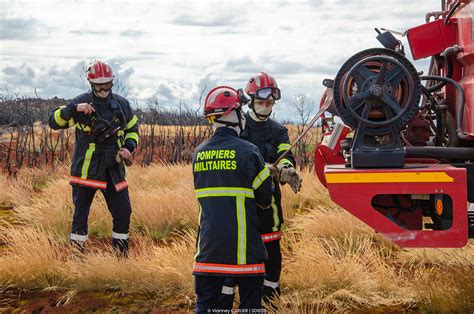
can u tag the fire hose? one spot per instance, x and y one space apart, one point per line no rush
324 105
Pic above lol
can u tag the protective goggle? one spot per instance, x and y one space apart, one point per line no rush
103 87
267 92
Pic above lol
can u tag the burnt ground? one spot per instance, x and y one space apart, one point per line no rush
16 301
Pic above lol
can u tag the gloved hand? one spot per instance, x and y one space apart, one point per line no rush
124 155
274 171
289 175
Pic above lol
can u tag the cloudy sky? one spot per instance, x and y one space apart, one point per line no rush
171 50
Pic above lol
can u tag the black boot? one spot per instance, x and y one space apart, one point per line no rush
78 246
121 247
270 297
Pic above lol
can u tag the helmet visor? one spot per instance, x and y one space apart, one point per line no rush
106 87
267 92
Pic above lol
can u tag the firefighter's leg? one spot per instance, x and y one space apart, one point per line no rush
208 290
271 284
120 208
82 198
250 294
226 300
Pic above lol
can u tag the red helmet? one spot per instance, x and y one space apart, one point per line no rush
220 101
263 86
100 73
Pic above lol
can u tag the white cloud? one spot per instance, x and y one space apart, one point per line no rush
17 28
172 49
50 81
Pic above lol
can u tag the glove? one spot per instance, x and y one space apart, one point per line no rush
289 175
274 171
124 155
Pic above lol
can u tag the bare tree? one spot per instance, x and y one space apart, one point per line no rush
303 109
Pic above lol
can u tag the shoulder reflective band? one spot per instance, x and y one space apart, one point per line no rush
132 122
87 161
229 269
241 231
285 161
283 147
120 236
224 191
57 117
388 177
268 237
132 135
260 178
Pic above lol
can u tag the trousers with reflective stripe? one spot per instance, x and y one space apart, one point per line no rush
118 204
209 300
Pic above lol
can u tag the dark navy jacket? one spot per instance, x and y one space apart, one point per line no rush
94 155
232 184
272 140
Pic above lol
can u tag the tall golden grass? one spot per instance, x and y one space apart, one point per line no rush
332 262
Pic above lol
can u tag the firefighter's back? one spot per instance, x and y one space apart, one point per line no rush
225 168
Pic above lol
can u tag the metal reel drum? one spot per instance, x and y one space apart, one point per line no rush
378 87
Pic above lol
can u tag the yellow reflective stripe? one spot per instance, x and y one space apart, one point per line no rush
224 191
87 160
282 147
241 231
132 122
198 249
388 177
260 178
120 140
57 117
285 161
133 136
70 122
83 127
276 218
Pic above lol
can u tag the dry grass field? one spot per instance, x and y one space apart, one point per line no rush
332 262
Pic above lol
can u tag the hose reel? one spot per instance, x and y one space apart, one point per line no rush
376 92
378 87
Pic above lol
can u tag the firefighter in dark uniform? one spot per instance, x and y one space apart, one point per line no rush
232 185
106 136
272 140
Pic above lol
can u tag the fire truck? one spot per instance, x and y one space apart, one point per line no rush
402 160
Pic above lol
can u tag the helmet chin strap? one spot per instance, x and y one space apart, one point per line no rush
238 124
